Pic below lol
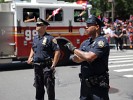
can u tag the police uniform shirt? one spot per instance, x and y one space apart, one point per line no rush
118 32
44 47
99 66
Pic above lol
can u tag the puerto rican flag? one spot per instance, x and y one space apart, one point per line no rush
56 11
84 5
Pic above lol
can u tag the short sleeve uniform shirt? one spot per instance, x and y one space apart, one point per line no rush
44 47
100 47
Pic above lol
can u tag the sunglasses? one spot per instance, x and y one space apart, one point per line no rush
39 25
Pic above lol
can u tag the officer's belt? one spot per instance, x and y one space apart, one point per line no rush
97 80
45 62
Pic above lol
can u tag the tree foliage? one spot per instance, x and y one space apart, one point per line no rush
123 8
1 1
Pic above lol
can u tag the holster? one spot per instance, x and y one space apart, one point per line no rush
98 80
84 79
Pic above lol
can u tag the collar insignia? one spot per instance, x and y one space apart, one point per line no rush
93 43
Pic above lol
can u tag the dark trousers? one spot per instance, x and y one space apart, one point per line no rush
44 77
119 41
93 93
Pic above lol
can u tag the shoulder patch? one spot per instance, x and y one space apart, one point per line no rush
55 41
101 44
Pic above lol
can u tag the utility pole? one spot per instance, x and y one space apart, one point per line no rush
112 4
112 10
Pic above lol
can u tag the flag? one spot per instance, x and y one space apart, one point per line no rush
56 11
99 17
84 5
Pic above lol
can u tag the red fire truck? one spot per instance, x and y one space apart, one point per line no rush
16 33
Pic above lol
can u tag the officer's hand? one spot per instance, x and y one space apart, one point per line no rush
30 60
70 47
53 68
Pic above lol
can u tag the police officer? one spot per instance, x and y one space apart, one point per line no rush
119 38
93 55
45 55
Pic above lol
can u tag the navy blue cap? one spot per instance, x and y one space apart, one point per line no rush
94 20
42 22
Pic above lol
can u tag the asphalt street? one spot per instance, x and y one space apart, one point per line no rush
16 80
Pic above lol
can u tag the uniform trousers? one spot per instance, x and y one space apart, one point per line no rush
119 41
44 77
93 92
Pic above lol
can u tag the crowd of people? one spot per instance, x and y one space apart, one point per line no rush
119 33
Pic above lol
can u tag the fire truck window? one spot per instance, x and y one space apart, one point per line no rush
50 17
30 15
79 15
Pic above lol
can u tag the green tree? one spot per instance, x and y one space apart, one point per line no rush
1 1
124 8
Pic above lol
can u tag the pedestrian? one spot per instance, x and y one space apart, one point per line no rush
130 34
125 34
93 56
107 31
119 39
45 54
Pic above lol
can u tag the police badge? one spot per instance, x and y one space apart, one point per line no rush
44 41
101 43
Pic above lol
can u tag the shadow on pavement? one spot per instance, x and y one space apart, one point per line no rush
113 90
14 66
69 63
24 65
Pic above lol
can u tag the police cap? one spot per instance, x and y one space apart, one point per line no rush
41 22
94 20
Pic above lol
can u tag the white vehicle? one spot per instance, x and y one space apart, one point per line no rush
16 33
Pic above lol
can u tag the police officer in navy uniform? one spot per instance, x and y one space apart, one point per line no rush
44 54
93 55
119 38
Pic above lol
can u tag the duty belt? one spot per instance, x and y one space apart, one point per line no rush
45 62
101 80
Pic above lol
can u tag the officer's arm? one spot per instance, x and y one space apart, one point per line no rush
56 58
86 56
115 35
121 34
30 56
77 59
